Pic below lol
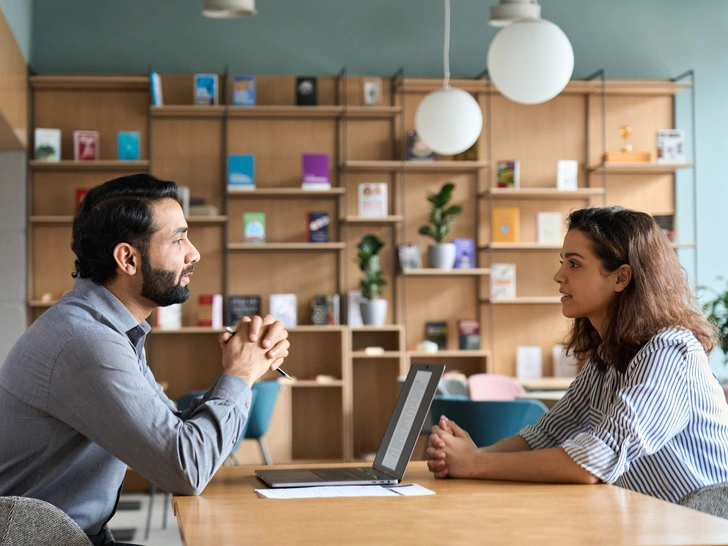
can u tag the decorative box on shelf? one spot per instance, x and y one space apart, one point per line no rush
627 157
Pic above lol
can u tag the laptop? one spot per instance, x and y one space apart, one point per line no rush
395 450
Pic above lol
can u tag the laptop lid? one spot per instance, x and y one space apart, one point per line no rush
410 412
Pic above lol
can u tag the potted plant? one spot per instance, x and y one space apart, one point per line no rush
373 308
441 255
717 311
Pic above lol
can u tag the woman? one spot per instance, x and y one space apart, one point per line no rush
645 412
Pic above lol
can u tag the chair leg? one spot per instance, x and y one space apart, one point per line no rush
153 490
264 452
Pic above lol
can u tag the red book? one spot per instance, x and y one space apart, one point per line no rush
209 311
85 145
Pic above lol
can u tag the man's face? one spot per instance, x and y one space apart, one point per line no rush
169 260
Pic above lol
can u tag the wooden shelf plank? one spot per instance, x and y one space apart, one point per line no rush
284 193
186 111
99 165
85 83
416 166
519 246
682 245
310 328
385 354
306 247
310 383
526 300
219 219
450 354
432 272
360 220
384 112
542 193
639 168
383 328
207 330
51 219
285 111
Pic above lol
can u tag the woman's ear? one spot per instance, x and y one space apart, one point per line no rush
623 278
127 258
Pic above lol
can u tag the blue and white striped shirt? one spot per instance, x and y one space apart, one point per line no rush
660 429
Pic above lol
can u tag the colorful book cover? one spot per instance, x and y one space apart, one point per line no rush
315 170
155 84
244 90
206 89
242 306
464 253
505 224
436 331
306 91
209 311
241 172
85 145
508 173
373 200
317 227
548 228
468 335
320 311
254 227
502 281
48 144
283 307
417 149
671 146
127 145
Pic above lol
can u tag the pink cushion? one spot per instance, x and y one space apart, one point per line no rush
488 386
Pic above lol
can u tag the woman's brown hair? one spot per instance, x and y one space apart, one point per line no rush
657 297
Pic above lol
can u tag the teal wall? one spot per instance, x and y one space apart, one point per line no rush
19 15
628 38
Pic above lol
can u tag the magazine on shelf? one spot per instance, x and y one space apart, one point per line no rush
671 146
567 175
306 91
505 224
373 200
502 281
464 253
243 90
206 89
48 144
315 172
242 306
468 335
241 172
317 227
509 173
85 145
283 308
127 145
549 229
409 256
155 84
254 227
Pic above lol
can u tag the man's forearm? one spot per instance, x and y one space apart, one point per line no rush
551 465
508 445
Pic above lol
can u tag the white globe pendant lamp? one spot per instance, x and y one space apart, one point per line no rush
449 120
530 60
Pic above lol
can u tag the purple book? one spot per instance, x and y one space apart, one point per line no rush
464 253
315 169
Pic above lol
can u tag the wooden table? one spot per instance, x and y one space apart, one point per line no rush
462 512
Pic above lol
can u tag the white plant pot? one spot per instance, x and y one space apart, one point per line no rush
441 256
373 312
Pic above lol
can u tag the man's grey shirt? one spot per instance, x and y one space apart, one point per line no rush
78 404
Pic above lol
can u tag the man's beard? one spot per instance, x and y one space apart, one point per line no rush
160 285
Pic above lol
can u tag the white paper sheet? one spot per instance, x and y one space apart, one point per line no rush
405 490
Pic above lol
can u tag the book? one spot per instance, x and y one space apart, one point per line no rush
666 222
319 311
242 306
372 201
85 145
47 144
567 175
468 335
254 227
409 256
371 90
353 312
502 281
671 146
241 172
549 229
417 149
209 311
464 253
183 197
505 225
244 90
80 194
306 91
508 173
155 84
317 227
283 308
436 331
169 317
315 172
529 362
565 365
205 89
127 145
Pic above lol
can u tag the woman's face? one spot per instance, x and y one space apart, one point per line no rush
586 289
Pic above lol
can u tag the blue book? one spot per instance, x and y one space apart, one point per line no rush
155 82
127 145
206 89
241 172
244 90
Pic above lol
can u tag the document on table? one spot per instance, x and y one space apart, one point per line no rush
408 490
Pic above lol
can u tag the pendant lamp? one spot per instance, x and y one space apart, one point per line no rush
449 120
221 9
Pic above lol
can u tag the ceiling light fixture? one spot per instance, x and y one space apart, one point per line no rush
448 120
530 60
221 9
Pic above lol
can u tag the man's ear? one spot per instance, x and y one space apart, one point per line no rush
624 277
128 259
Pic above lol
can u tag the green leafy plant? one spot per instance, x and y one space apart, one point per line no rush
717 311
372 284
442 217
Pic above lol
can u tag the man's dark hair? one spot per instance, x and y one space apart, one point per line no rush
118 211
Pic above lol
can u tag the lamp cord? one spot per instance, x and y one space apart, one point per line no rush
446 49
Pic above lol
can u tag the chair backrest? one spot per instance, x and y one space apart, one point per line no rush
488 421
266 393
31 521
711 499
489 386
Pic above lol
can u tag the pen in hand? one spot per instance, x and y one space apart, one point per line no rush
279 370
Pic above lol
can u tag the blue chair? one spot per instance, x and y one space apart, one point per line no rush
488 421
266 393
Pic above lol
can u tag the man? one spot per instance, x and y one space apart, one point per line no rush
77 400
